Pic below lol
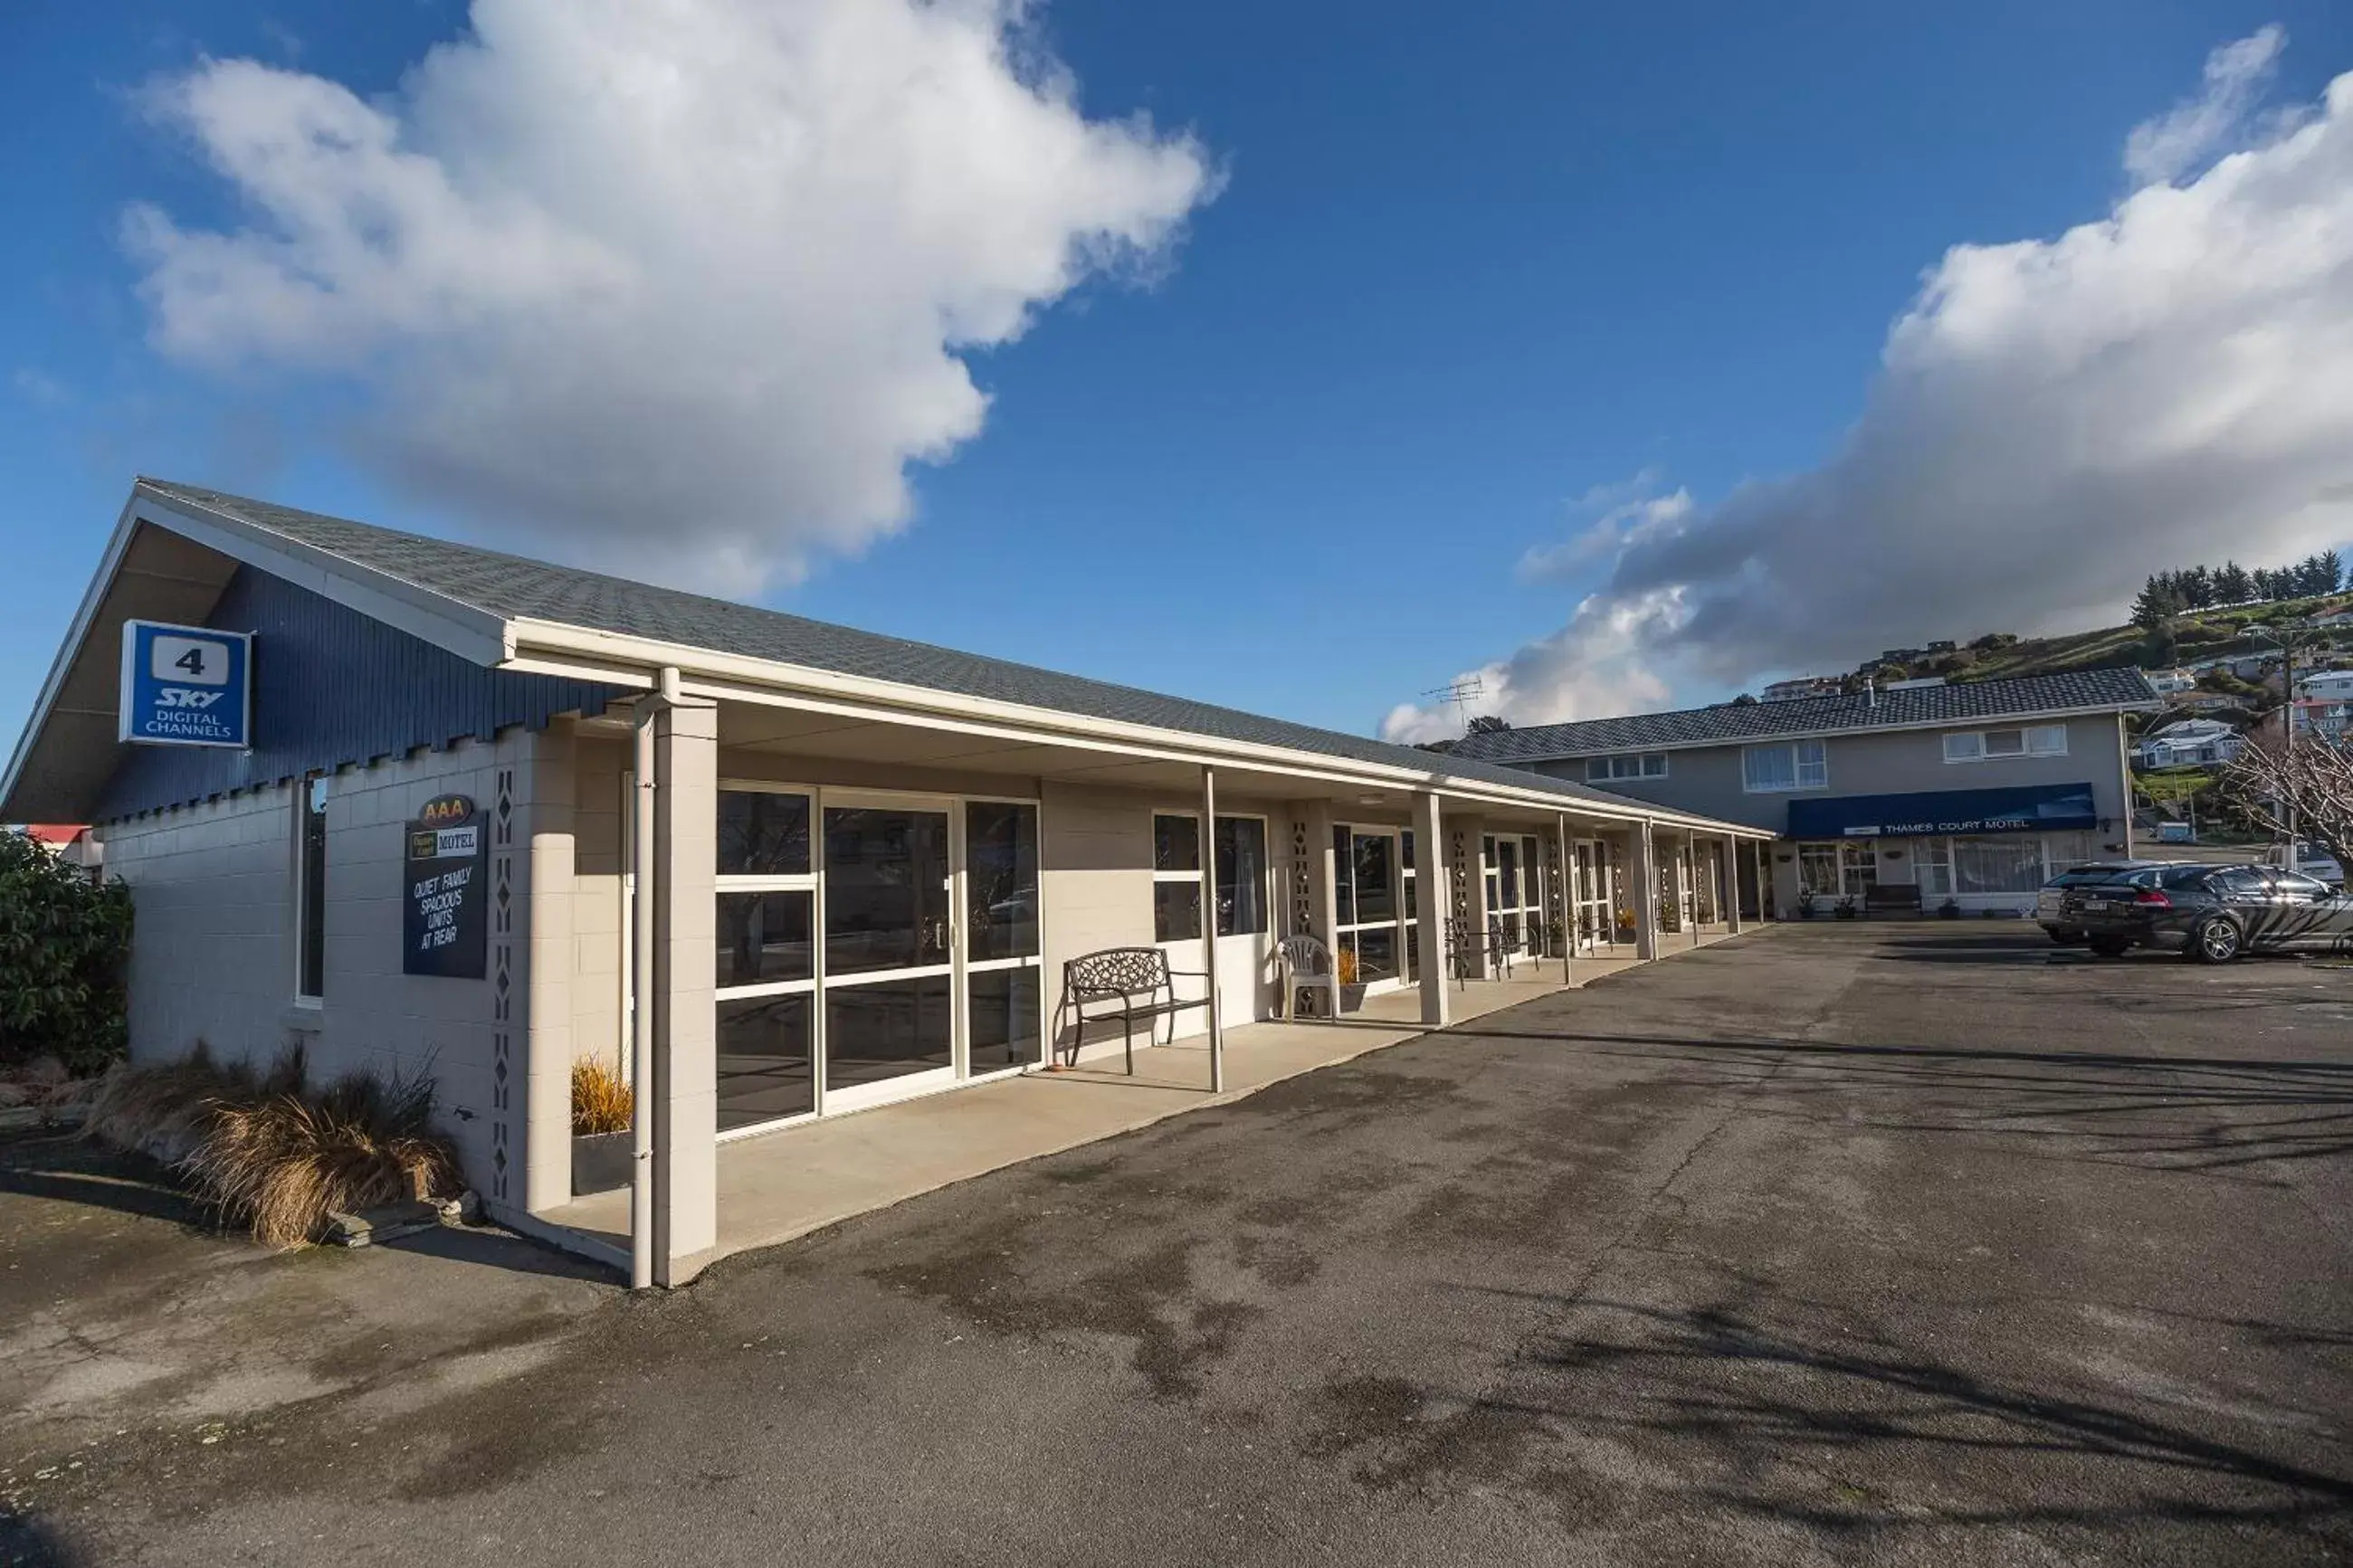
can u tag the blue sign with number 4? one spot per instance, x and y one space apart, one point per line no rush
185 686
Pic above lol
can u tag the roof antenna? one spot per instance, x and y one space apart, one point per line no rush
1870 691
1460 693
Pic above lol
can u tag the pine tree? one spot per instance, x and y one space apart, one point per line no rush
2328 572
2233 585
2196 588
2157 603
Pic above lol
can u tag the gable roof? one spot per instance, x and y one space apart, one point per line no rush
473 600
1908 707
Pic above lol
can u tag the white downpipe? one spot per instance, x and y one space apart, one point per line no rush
645 871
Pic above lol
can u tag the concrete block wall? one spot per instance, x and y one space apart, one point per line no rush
213 950
212 955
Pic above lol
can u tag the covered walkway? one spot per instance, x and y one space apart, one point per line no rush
801 1178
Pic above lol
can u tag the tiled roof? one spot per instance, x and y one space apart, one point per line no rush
513 586
1912 707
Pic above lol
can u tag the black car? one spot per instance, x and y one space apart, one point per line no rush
2211 913
2050 904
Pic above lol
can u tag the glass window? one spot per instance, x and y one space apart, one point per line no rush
1004 1031
765 938
2012 864
2047 741
1654 764
1343 876
1000 852
762 834
1371 862
1175 844
310 896
886 1029
1817 869
1768 768
2296 885
2005 743
2062 850
1964 746
1814 765
2179 879
886 900
1646 765
1176 911
764 1058
2240 884
1933 867
1242 875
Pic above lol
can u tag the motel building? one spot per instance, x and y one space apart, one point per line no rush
1905 799
856 916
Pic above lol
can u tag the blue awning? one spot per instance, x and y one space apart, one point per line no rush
2021 808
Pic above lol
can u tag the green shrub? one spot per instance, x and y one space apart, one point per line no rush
64 944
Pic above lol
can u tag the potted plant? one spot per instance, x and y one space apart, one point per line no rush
602 1110
1805 903
1950 909
1352 995
1845 908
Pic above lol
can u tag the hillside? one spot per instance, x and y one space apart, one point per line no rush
2197 635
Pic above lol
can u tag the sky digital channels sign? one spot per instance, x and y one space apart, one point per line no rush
185 686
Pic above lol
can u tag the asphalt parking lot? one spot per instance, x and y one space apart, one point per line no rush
1847 1243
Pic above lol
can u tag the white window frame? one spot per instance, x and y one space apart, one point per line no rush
1208 844
1801 766
2033 741
1626 766
961 966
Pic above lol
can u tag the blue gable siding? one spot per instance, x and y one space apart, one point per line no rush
333 686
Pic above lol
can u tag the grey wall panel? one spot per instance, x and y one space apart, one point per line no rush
331 686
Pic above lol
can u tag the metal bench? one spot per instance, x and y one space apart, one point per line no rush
1891 898
1136 982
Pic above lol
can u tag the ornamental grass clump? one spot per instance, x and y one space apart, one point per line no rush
273 1154
601 1101
283 1163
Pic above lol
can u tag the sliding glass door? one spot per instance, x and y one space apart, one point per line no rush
871 946
1372 946
889 947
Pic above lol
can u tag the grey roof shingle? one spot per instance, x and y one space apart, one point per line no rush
516 586
1910 708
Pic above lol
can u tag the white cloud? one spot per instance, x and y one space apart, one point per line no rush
2174 144
1631 514
2053 420
695 271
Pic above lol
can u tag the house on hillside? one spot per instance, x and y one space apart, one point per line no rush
2171 682
2189 743
1802 686
1977 792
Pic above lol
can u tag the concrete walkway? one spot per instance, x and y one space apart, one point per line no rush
804 1178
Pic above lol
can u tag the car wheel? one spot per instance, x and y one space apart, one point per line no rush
2217 940
2109 946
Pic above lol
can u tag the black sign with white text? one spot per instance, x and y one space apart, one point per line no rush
444 922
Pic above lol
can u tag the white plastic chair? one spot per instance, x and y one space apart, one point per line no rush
1307 961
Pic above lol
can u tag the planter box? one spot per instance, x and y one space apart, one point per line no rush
1352 997
601 1162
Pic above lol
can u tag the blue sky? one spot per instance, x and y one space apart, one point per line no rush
1459 274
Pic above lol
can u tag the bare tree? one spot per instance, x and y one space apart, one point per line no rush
2305 790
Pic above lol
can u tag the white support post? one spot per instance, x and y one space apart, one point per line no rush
1644 876
1430 895
1732 875
1564 889
641 1000
685 1082
1691 862
1210 924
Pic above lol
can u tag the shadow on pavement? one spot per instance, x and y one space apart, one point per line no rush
1774 1408
2181 1113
